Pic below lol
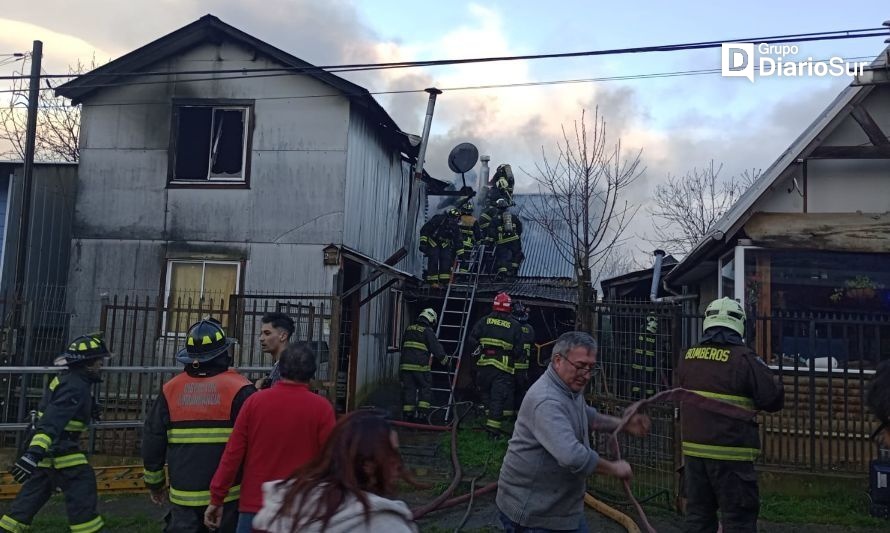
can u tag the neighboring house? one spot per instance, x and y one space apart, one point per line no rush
46 269
636 286
808 243
292 181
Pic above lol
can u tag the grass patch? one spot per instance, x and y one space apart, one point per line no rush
478 454
841 508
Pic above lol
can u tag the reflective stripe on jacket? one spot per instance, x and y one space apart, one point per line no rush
188 428
733 374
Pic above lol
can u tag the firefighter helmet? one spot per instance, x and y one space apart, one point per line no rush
501 203
82 349
726 313
466 208
520 312
429 315
205 340
453 212
502 302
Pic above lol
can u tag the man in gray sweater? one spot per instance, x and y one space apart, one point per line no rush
544 475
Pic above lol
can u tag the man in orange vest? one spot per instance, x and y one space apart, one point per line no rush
188 428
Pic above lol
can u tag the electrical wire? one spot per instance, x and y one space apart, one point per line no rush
774 39
623 77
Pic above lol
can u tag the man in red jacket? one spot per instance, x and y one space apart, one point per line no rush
278 430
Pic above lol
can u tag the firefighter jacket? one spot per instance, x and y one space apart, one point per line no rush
188 427
469 233
486 219
441 231
506 229
64 412
418 342
528 340
732 373
499 336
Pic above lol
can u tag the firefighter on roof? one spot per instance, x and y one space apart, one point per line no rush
719 451
470 233
188 427
418 342
499 339
53 459
439 241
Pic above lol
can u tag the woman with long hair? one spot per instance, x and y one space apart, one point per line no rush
343 489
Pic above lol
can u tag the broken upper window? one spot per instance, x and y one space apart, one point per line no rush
210 143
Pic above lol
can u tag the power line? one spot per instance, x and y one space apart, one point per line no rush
623 77
774 39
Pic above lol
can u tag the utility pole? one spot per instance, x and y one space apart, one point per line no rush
19 322
27 176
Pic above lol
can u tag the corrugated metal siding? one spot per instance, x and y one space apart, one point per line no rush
542 258
377 223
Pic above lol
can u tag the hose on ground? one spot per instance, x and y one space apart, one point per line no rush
463 520
612 513
455 463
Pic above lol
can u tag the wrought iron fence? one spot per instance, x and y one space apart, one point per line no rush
144 334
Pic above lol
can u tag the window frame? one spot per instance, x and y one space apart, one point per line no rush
243 182
239 265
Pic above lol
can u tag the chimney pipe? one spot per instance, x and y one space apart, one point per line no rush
656 275
425 137
481 182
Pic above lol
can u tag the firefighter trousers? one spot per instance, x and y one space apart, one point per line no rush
496 391
78 484
503 259
182 519
439 263
730 486
417 391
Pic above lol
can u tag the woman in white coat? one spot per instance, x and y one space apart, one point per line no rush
345 488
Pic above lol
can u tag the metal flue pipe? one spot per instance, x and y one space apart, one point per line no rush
425 136
656 275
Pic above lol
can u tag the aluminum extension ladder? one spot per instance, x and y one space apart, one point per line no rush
454 324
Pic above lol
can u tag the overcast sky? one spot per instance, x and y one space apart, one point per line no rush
679 122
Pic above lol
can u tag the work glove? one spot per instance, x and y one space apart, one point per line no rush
24 468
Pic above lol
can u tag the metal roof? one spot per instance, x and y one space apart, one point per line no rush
542 258
730 222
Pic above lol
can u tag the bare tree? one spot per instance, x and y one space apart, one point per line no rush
688 206
58 122
582 205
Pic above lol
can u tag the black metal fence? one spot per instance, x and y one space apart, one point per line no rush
145 334
825 361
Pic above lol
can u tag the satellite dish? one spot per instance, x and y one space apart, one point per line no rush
463 157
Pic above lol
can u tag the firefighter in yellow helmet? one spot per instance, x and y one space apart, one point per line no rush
54 458
719 451
418 342
188 427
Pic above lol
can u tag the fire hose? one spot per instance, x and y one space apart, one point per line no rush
671 395
676 395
